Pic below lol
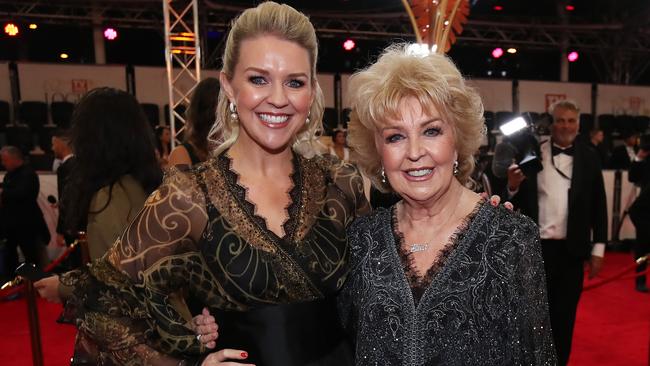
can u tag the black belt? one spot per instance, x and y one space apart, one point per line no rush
287 334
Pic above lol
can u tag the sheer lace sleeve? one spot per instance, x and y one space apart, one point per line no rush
348 179
529 309
122 300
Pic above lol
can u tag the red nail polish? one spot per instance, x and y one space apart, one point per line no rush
244 355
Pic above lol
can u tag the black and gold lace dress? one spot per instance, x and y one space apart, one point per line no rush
198 235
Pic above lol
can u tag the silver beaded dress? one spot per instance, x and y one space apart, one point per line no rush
483 303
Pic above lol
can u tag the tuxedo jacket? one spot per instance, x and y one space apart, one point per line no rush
620 159
587 219
639 174
20 216
63 174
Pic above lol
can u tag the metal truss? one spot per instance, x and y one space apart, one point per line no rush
623 49
182 58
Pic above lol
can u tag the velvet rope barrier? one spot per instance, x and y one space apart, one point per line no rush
16 285
619 274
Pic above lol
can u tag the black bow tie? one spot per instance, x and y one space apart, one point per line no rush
558 150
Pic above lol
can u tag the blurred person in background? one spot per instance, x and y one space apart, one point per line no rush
339 148
21 219
597 142
115 170
567 200
639 174
623 155
163 145
200 118
63 153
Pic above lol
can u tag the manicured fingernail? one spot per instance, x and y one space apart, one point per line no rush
244 355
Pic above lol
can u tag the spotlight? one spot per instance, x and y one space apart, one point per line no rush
110 34
497 52
497 7
11 29
513 126
570 8
33 26
64 56
512 50
349 44
572 56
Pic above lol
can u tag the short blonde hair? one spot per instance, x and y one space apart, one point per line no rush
434 80
284 22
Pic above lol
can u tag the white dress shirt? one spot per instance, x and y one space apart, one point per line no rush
553 193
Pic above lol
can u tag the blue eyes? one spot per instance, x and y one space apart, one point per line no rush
296 83
257 80
434 131
429 132
292 83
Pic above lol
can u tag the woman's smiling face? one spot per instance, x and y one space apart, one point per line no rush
417 151
272 89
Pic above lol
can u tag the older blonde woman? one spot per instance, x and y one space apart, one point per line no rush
441 277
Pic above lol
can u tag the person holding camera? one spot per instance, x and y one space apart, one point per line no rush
567 200
639 174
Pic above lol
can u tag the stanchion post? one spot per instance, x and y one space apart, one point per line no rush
83 246
34 326
616 206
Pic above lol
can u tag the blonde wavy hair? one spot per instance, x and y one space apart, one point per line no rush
377 92
285 22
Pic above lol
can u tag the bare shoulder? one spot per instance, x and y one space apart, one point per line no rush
179 156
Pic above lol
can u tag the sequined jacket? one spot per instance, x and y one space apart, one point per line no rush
486 306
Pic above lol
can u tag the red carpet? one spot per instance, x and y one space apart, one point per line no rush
612 329
613 322
15 349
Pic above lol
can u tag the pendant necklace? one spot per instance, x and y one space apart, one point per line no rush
418 248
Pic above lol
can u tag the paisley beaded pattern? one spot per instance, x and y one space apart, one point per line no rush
486 305
197 233
419 283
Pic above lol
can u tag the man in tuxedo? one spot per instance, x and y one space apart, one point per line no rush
567 200
640 210
21 217
63 153
623 155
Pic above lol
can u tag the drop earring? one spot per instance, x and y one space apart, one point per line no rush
383 175
308 120
456 167
233 112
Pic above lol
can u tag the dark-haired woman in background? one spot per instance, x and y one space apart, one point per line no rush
115 170
338 147
200 118
163 145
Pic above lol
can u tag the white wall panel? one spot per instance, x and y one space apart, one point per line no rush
623 99
55 82
537 96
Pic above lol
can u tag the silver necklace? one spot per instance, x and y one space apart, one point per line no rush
418 248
